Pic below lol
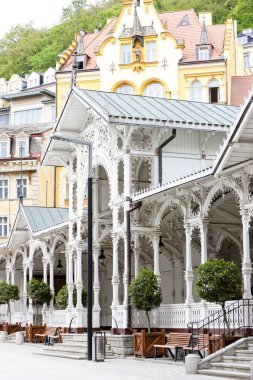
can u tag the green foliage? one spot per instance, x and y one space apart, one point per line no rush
145 293
219 8
39 292
219 281
25 49
62 297
243 13
8 293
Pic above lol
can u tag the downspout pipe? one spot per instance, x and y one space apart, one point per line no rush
160 154
128 233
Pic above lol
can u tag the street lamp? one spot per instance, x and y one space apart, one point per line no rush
89 261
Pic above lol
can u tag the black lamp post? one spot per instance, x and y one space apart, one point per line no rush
89 261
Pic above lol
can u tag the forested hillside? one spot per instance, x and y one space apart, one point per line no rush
25 49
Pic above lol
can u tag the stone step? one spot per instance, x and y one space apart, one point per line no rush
239 359
225 374
65 350
64 355
237 367
244 353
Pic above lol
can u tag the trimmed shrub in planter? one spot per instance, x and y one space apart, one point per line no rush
146 295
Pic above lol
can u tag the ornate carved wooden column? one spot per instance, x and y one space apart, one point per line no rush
115 274
8 273
70 279
155 238
246 264
13 271
30 309
96 288
203 240
44 262
189 276
136 255
79 280
51 281
24 295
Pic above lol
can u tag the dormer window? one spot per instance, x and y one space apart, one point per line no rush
4 146
203 53
49 76
22 146
81 62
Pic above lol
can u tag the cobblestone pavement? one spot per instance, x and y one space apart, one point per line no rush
20 363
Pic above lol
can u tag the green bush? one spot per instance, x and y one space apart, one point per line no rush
8 293
62 297
40 293
145 293
219 281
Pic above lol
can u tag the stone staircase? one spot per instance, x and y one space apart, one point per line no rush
232 365
73 346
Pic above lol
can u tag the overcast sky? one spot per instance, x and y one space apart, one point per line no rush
42 12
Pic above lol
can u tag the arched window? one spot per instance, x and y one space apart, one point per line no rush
196 91
155 89
214 91
125 89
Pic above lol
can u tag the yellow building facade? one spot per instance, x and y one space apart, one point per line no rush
176 55
27 117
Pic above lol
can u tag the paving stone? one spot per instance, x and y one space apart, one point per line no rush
19 362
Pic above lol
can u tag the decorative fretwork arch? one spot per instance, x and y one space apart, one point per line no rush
219 188
169 204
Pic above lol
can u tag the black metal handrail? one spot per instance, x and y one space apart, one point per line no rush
210 332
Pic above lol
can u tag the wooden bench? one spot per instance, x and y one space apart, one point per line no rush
175 341
201 344
49 334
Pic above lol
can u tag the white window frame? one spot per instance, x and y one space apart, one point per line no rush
22 138
196 91
28 116
2 226
4 187
247 60
150 51
148 91
120 89
126 54
203 53
6 140
25 178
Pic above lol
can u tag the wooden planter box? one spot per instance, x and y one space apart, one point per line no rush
11 328
31 330
144 343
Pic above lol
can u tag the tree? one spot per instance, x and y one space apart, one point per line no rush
62 297
243 13
8 293
219 281
145 293
40 293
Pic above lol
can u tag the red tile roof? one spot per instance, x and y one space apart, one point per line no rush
240 87
191 33
171 20
92 42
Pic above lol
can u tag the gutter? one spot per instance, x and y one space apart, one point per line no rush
128 233
160 152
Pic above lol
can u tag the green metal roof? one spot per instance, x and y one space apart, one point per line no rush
41 218
136 109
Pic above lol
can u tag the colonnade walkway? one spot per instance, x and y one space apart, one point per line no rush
20 362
